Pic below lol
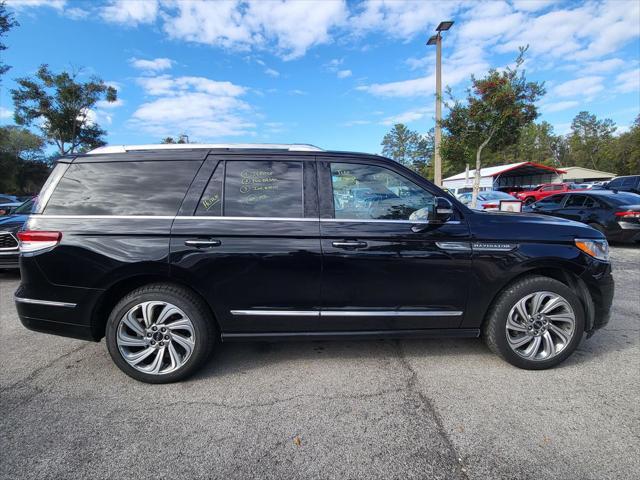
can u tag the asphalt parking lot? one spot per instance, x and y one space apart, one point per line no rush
370 409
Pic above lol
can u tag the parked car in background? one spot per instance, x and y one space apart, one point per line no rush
9 227
165 249
8 203
616 214
488 200
629 183
589 186
544 190
513 191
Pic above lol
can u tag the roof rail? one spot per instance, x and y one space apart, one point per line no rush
292 147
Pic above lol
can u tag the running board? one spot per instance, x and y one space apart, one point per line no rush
352 335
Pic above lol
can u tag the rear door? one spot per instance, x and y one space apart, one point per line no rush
248 237
383 268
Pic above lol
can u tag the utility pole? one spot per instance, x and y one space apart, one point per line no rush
437 41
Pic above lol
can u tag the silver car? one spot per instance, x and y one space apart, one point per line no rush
488 200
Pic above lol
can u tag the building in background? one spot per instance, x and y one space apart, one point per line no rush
521 174
581 174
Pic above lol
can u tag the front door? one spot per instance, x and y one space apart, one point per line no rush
248 237
386 264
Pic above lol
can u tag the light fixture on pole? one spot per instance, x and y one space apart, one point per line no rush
437 41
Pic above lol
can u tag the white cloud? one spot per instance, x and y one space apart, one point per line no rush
602 66
198 106
344 73
130 12
18 4
155 65
76 13
353 123
580 87
559 106
288 27
103 104
532 5
5 113
272 73
459 67
408 116
628 82
297 91
400 18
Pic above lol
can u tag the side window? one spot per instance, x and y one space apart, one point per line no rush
122 188
575 201
552 201
371 192
211 201
263 189
615 183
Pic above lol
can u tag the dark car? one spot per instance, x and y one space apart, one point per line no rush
9 226
164 250
616 214
629 183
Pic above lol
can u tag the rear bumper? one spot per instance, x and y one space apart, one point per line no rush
629 232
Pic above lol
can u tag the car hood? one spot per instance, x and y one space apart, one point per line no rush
12 223
528 227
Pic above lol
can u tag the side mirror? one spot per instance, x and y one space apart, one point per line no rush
444 210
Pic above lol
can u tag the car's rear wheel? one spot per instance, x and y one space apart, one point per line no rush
529 200
159 333
535 323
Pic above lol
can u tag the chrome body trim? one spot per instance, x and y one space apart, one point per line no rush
271 313
349 313
49 303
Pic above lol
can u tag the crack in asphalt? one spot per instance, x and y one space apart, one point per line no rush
34 373
430 407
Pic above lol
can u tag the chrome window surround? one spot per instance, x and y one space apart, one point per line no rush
203 217
349 313
49 303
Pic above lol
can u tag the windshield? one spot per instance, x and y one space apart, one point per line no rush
25 208
495 196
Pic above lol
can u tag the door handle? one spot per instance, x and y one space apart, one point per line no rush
349 244
203 243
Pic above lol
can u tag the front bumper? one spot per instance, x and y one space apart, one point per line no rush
601 288
10 259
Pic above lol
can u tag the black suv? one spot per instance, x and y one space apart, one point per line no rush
163 251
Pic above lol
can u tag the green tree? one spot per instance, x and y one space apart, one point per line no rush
61 107
7 22
496 108
591 141
20 150
409 148
626 151
181 139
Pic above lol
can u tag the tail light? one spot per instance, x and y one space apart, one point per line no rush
490 205
627 214
33 241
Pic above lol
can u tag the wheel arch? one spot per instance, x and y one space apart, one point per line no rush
563 275
119 289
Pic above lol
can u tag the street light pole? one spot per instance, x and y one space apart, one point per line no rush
437 161
437 41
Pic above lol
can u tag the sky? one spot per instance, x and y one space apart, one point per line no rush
336 74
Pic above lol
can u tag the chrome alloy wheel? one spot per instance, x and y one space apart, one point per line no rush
540 326
155 337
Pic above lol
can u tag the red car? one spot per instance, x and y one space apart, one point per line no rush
544 190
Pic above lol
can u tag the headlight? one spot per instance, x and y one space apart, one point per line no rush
595 248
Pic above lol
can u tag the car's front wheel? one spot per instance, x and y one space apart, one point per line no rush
159 333
535 323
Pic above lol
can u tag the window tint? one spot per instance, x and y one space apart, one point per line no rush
122 188
211 201
552 201
628 182
263 189
575 201
616 182
590 203
370 192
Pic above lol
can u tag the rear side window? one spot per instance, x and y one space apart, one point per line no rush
122 188
211 201
263 189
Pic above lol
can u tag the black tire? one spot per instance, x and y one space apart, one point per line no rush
203 325
494 329
529 200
